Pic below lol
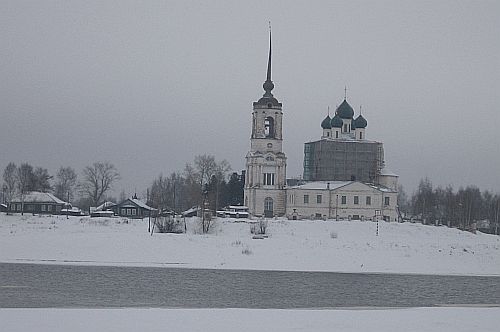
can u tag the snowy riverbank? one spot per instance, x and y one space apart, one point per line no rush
124 320
343 246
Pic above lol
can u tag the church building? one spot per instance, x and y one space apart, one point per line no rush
344 172
265 176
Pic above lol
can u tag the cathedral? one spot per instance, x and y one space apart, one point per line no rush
344 173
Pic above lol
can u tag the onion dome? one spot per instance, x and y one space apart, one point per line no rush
325 124
360 122
336 122
345 110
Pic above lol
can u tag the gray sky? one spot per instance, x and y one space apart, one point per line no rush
149 85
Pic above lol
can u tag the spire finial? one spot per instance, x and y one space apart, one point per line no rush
269 61
268 84
345 92
359 109
328 110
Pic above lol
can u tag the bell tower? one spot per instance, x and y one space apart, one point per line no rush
265 162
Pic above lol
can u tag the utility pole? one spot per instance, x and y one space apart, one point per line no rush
67 207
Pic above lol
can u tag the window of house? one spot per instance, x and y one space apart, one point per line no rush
44 207
386 200
319 198
306 199
269 179
356 200
49 207
368 200
343 199
124 212
134 212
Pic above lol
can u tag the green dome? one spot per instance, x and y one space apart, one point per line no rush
360 122
325 124
345 110
336 122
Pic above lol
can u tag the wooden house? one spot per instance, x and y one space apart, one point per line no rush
39 203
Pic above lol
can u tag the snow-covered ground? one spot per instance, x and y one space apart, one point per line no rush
221 320
344 246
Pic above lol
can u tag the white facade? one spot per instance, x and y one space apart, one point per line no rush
265 177
342 200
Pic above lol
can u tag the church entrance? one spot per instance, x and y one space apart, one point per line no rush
268 207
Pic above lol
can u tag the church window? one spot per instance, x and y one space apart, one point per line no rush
336 134
269 127
269 179
343 200
319 199
368 200
268 205
386 200
306 199
269 145
345 128
356 200
360 135
269 158
327 134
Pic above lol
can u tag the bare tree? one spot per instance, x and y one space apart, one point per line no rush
205 167
40 180
221 170
24 176
97 180
10 182
66 183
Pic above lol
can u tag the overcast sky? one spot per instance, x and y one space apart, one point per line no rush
148 85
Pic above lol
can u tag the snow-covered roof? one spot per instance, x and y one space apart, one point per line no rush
104 206
142 204
39 197
380 188
322 185
386 172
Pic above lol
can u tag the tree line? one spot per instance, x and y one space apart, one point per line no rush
461 208
90 189
205 179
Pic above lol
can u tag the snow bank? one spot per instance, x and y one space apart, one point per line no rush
342 246
124 320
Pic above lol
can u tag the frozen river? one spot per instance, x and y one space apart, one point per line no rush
34 286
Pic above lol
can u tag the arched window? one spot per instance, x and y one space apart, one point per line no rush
269 127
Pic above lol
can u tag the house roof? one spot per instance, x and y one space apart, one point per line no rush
323 185
39 197
136 202
104 206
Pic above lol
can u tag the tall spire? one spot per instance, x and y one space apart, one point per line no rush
268 84
269 61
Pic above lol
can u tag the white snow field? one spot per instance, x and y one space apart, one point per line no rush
242 320
342 246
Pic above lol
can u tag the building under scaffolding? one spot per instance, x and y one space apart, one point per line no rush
343 160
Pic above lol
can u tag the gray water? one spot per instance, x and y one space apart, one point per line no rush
34 286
